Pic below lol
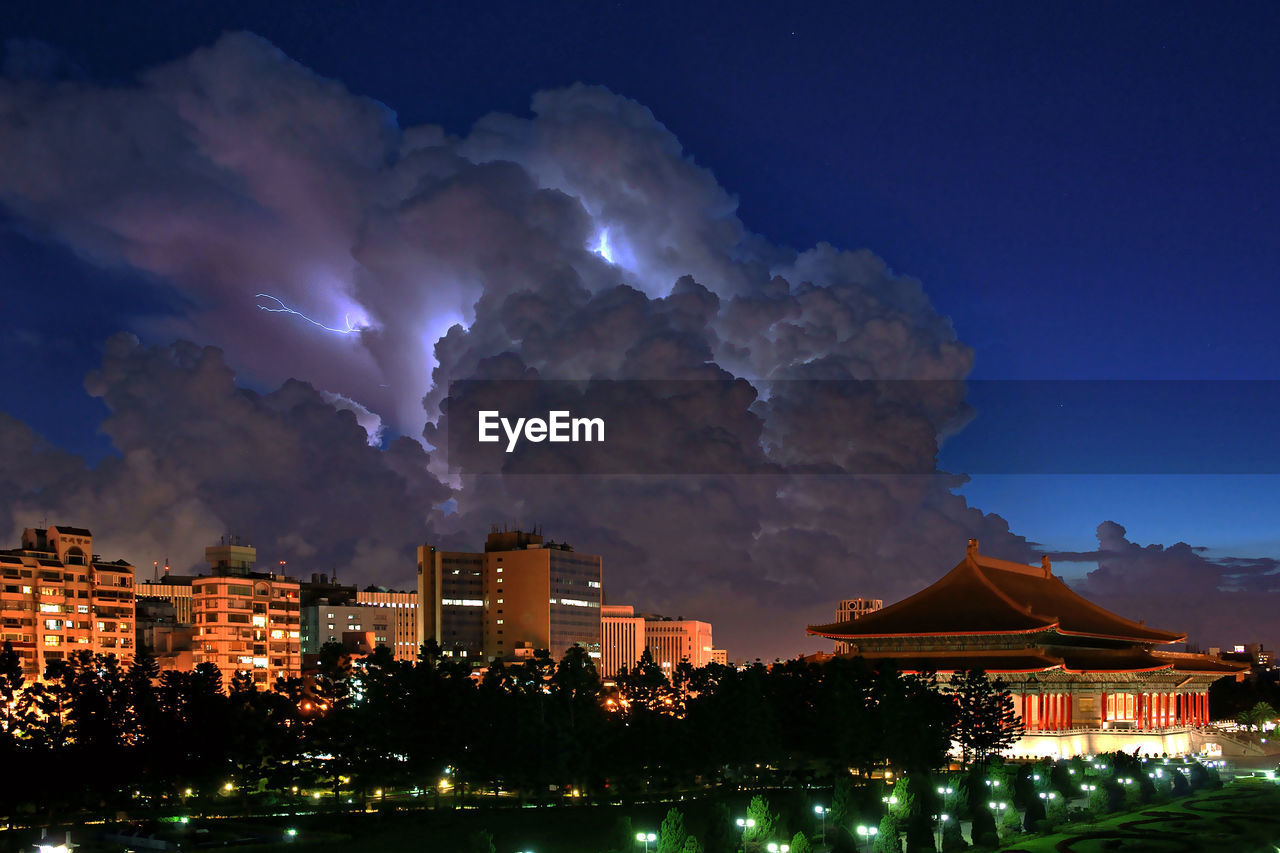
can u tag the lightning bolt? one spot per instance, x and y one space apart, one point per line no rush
285 309
603 249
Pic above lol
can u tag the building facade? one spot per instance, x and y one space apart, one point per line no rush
521 591
246 620
175 589
671 641
854 608
57 597
400 610
625 635
451 602
1084 680
621 638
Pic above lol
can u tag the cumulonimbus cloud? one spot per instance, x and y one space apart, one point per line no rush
581 242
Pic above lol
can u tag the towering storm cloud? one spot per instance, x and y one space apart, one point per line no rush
359 267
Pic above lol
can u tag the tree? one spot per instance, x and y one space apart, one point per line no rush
800 843
691 845
842 801
1010 822
985 719
952 837
887 837
672 835
758 811
721 835
1256 716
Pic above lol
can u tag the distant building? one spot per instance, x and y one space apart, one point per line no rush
720 656
58 597
854 608
246 620
163 635
520 590
671 641
625 635
621 639
401 613
175 589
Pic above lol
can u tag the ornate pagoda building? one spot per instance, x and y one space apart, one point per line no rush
1084 680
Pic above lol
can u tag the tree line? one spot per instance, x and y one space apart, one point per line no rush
97 735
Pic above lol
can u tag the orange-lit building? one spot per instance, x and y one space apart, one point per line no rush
521 591
394 619
621 638
625 635
246 620
1084 680
57 597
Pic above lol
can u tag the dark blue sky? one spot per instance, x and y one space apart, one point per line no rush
1089 190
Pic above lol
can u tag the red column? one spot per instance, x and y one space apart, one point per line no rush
1168 711
1026 723
1104 709
1070 699
1053 712
1204 703
1039 712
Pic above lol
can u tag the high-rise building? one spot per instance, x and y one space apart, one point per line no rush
520 590
621 638
720 656
58 598
246 620
854 608
450 602
330 609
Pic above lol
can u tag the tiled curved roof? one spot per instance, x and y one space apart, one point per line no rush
983 595
1200 664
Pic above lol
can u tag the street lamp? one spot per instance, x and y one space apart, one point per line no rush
942 818
821 811
646 838
775 847
867 832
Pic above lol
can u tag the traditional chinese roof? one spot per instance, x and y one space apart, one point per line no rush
983 595
1194 664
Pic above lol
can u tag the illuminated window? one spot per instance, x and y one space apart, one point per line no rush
52 640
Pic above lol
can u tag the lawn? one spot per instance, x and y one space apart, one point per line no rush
1241 818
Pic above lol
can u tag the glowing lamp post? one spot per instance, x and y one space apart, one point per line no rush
942 818
775 847
821 811
646 838
868 832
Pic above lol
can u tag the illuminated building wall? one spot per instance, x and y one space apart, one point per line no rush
57 597
621 639
401 613
246 620
176 591
672 640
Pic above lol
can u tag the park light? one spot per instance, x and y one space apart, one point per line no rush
187 792
651 837
743 823
184 819
1042 795
819 810
378 793
315 795
639 836
1036 777
291 832
228 787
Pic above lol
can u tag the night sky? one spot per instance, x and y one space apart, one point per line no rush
1080 193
